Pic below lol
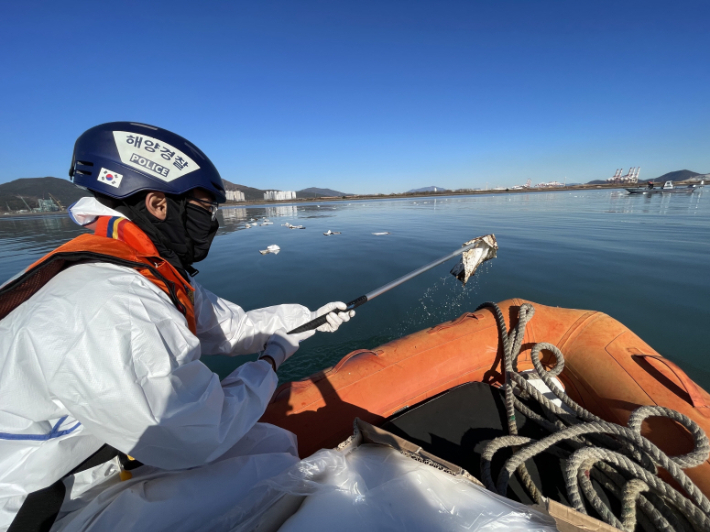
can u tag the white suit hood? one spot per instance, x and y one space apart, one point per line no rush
87 210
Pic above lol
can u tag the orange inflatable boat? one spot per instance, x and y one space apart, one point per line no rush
608 370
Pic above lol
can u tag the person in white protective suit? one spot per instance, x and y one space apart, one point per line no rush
108 418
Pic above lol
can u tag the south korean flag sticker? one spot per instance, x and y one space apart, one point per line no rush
110 178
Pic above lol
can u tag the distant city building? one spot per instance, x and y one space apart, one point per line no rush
550 184
631 177
279 195
235 195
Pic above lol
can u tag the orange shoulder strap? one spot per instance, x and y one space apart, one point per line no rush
126 246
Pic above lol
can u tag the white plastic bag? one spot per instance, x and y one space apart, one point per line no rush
375 488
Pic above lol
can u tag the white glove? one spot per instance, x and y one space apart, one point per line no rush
335 319
281 345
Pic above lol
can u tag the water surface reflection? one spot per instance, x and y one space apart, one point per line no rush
642 259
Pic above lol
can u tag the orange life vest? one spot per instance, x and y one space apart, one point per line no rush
115 240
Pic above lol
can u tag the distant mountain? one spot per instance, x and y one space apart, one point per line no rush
429 189
32 188
314 192
249 192
258 194
678 175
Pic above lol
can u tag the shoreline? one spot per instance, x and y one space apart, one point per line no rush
360 197
250 203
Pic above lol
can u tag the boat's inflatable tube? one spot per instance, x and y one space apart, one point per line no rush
608 370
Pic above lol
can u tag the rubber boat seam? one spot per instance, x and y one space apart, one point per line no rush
452 323
319 376
580 324
580 382
347 359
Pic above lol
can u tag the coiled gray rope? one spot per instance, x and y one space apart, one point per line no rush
626 465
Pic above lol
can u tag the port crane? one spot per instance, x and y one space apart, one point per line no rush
26 205
59 203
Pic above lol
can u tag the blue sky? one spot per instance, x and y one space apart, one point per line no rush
364 96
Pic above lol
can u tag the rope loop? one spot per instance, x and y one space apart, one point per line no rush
620 459
559 358
698 455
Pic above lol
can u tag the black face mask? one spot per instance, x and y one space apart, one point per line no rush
200 229
183 238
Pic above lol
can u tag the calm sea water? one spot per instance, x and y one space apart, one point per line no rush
643 260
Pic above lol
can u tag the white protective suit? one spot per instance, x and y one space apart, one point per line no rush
101 355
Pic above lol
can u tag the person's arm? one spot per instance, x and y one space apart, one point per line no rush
130 372
226 329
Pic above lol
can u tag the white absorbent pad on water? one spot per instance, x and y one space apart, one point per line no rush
375 488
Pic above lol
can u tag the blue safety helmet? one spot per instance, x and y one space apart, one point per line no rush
119 159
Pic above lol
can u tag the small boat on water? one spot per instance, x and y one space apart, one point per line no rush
442 389
668 188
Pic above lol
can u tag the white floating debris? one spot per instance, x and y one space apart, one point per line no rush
485 249
331 233
267 223
293 226
273 248
382 233
247 226
252 219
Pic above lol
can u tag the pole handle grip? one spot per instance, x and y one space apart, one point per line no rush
320 320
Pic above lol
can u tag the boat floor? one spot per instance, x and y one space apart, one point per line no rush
457 425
